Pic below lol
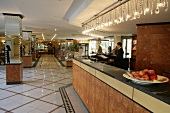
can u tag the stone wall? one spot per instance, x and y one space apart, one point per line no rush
153 49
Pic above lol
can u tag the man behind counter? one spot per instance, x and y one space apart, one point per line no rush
118 61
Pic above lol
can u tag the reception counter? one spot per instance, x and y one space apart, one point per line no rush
103 89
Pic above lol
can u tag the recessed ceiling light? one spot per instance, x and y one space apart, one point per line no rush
53 37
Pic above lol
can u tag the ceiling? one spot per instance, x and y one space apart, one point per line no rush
44 16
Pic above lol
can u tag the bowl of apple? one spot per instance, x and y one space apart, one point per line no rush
145 77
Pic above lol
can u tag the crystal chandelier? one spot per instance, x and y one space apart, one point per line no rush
122 11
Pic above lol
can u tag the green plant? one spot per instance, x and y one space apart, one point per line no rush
74 47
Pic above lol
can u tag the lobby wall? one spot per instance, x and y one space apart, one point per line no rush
153 47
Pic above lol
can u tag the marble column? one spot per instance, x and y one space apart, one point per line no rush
36 47
33 49
27 57
13 40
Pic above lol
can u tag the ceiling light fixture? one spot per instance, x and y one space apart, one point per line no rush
55 29
43 36
53 37
123 10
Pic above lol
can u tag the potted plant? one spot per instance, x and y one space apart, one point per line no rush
74 48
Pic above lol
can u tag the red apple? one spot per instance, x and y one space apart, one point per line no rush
136 75
145 71
151 72
133 73
141 73
153 77
146 77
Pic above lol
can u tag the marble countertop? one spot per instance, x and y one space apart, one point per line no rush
159 91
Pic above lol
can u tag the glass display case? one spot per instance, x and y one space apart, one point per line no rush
25 46
2 50
13 48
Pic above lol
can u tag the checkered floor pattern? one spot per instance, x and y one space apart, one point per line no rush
39 92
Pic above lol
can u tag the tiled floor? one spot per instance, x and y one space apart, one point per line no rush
39 92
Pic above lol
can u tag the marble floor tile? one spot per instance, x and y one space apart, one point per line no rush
47 107
60 110
53 79
1 111
54 86
11 105
21 88
39 83
4 86
36 111
39 92
23 109
20 99
54 98
4 94
2 81
5 102
37 103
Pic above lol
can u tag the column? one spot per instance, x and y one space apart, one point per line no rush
33 51
13 47
36 47
27 57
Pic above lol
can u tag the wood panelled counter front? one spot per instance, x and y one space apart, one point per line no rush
101 96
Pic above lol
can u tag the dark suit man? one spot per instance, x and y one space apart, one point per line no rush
118 62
